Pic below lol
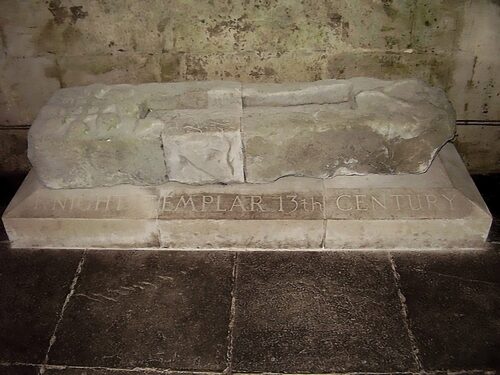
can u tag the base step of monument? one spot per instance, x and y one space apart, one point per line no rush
438 209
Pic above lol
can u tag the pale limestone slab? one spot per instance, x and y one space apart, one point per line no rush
328 91
437 209
291 198
241 234
401 234
33 200
441 208
368 127
82 233
104 135
122 216
203 150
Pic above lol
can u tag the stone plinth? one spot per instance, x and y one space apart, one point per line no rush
437 209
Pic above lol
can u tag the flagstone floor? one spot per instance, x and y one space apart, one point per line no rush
73 312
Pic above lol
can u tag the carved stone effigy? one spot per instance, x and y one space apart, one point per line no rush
219 165
225 132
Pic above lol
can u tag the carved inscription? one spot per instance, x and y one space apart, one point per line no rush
78 203
340 204
414 202
395 203
241 206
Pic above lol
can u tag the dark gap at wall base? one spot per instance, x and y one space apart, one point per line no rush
9 183
458 123
489 185
14 127
478 122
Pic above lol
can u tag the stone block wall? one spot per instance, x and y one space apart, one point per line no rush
47 44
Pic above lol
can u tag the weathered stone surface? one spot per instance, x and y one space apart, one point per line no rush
219 132
479 147
256 66
397 210
285 95
440 208
13 152
20 98
203 147
375 126
106 135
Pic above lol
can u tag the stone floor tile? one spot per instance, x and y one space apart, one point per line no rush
115 371
18 370
33 287
148 309
453 303
318 312
97 371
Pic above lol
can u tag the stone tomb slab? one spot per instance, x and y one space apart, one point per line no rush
437 209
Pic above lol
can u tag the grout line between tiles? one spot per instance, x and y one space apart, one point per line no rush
232 313
63 309
404 313
325 221
145 370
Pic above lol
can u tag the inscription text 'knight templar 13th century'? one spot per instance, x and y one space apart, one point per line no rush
340 203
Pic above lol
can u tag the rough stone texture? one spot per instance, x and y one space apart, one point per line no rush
453 330
250 41
202 145
108 69
25 86
440 208
33 285
255 66
202 132
318 313
357 126
127 303
13 144
479 147
475 88
180 313
395 211
106 135
389 26
434 69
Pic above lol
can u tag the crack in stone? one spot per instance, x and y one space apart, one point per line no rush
162 146
144 110
243 154
63 309
406 318
123 291
187 161
304 104
232 313
457 277
228 155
